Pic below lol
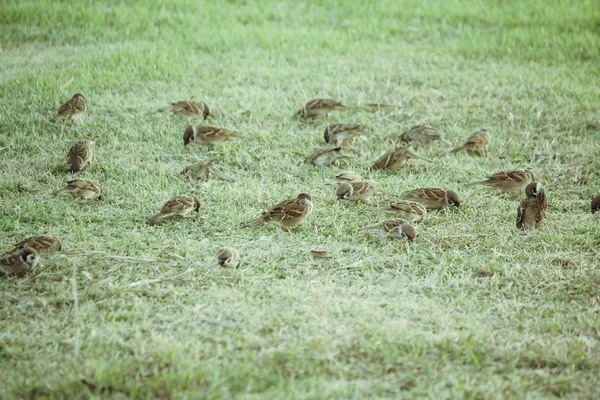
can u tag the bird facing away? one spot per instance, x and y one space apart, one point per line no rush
188 109
356 191
208 135
409 210
477 143
340 134
203 170
326 156
319 107
396 158
73 110
41 244
423 135
348 176
433 198
228 257
19 263
532 210
178 205
289 213
595 204
79 155
396 228
83 189
508 181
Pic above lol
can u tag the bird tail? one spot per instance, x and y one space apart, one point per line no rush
59 191
422 158
165 109
251 223
458 149
221 175
474 183
154 220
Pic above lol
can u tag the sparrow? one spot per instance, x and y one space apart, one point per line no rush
228 257
207 135
19 263
80 155
423 134
326 156
203 170
289 213
178 205
595 204
476 143
508 181
356 191
341 133
72 109
83 189
396 158
320 254
433 198
319 107
396 228
347 176
408 210
532 210
41 244
188 109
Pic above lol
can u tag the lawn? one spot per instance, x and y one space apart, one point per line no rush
473 308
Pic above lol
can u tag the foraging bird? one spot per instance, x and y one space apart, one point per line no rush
476 143
41 244
319 107
73 109
433 198
508 181
595 204
289 213
79 155
409 210
178 205
342 133
356 191
326 156
396 228
532 210
396 158
19 263
208 135
188 109
203 170
83 189
423 134
348 176
228 257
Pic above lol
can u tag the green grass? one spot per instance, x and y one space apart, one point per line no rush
472 309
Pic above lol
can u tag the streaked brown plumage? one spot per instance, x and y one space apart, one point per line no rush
80 155
356 191
83 189
396 228
508 181
326 156
532 210
596 204
41 244
188 109
319 107
19 263
339 134
423 134
477 143
203 170
178 205
228 257
432 198
208 135
289 213
411 211
73 109
396 158
348 176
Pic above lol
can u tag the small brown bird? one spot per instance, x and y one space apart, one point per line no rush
19 263
477 143
433 198
83 189
340 134
396 158
178 205
322 254
41 244
208 135
74 109
348 176
319 107
596 204
289 213
188 109
424 135
409 210
80 155
396 228
326 156
228 257
356 191
508 181
532 210
203 170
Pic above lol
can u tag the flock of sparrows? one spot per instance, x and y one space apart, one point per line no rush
410 207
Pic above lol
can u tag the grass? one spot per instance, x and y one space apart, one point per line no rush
472 309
